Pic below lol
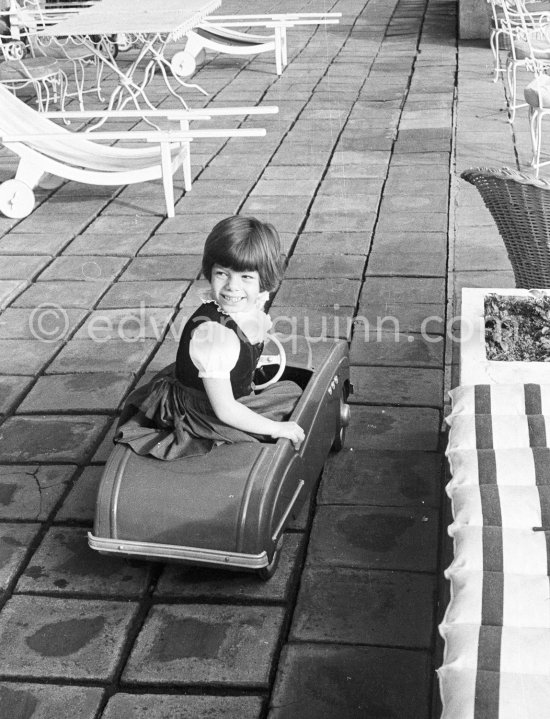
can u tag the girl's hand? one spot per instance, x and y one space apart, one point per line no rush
291 431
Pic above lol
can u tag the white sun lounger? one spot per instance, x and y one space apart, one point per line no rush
45 148
219 34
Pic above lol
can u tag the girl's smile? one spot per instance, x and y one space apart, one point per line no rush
235 291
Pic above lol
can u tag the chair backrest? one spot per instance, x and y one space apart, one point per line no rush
520 206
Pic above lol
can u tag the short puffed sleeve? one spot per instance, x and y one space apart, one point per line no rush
214 350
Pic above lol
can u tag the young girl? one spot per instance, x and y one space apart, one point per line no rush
207 397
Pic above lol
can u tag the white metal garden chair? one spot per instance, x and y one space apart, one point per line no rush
530 46
17 72
46 149
30 17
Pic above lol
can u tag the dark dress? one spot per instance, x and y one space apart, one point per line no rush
171 416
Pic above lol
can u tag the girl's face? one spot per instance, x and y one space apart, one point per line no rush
235 291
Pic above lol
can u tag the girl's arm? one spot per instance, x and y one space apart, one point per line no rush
229 410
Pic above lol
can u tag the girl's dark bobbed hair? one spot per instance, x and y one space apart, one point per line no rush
244 243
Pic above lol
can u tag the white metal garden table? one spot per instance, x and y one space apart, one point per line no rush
153 25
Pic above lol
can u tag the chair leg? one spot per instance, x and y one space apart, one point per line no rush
278 51
538 150
493 42
284 47
186 166
512 89
167 178
532 133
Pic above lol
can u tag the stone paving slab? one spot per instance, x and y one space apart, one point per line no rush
25 358
338 221
400 316
84 268
417 222
404 262
66 639
50 438
105 244
126 324
112 356
323 266
12 388
164 706
344 243
406 386
387 478
352 682
198 583
44 701
55 223
148 293
34 244
164 267
48 324
30 492
22 267
318 293
418 290
393 349
402 428
310 323
193 644
79 504
401 538
63 293
15 541
91 392
137 226
65 564
182 243
10 289
358 606
263 205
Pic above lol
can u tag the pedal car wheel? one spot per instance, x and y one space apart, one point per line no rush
343 421
16 199
268 571
268 360
183 64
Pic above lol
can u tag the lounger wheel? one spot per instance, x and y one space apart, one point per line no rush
16 199
15 50
268 571
183 64
343 421
279 359
124 41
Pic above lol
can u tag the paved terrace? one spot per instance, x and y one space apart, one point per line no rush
358 173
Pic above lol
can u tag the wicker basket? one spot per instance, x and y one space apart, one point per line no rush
520 206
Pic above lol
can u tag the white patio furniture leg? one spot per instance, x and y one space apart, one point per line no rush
167 178
29 173
194 44
186 167
186 161
538 137
284 46
278 50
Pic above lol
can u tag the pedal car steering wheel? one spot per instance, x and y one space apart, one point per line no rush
279 358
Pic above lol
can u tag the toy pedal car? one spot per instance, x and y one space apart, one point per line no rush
230 507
